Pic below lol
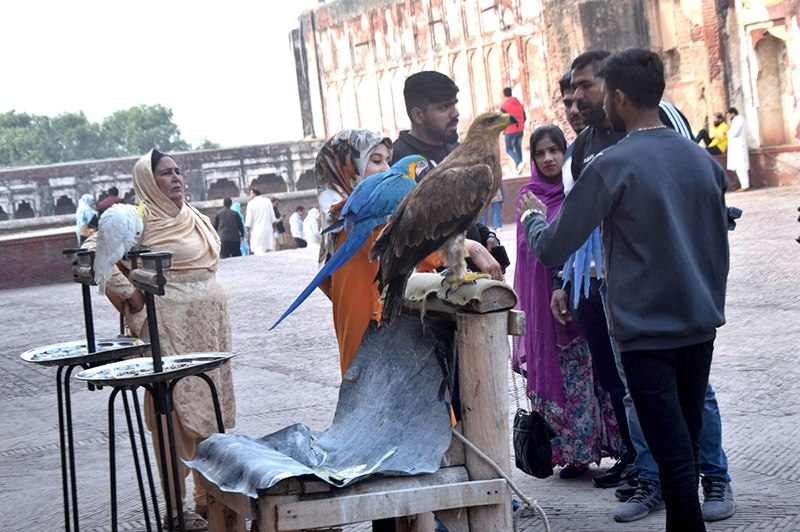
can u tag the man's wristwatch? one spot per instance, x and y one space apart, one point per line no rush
527 214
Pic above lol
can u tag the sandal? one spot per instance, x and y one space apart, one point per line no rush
193 523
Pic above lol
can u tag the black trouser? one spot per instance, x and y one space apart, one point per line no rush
703 135
300 242
230 248
668 389
591 318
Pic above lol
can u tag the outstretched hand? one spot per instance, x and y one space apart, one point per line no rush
529 201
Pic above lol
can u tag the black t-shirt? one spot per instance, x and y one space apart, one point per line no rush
406 145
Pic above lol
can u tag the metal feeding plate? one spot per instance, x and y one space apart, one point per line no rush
75 353
140 371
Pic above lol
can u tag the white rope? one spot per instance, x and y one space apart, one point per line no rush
526 501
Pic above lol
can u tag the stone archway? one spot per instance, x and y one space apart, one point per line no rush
64 205
224 188
770 86
306 181
24 210
269 184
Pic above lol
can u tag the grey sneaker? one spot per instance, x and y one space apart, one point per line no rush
718 500
646 499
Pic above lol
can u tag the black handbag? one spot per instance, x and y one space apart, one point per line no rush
533 452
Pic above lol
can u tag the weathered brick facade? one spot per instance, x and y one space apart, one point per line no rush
353 57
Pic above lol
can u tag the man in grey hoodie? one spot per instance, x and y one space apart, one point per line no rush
665 243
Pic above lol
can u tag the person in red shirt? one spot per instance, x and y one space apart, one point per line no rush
108 201
513 132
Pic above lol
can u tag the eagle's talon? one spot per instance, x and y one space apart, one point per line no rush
468 278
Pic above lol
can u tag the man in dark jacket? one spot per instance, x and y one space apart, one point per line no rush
666 295
514 132
229 225
643 495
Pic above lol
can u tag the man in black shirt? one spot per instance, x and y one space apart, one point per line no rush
229 225
431 99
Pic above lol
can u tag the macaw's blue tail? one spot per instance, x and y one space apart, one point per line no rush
355 239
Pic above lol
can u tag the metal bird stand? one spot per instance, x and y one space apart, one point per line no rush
159 377
69 355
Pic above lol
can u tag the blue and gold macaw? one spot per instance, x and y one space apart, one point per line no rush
369 206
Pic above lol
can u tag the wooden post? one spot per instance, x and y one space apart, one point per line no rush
482 341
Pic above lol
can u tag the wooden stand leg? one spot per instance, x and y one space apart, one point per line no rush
223 519
267 512
483 382
415 523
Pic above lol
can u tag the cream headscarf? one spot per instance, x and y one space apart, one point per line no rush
184 231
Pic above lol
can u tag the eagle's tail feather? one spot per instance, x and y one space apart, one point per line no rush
393 298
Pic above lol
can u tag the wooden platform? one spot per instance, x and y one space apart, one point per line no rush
467 496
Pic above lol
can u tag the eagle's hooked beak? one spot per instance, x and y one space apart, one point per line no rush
508 120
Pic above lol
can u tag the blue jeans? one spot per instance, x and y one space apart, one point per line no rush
713 462
496 221
514 146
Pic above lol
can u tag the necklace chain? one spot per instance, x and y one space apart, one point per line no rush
653 127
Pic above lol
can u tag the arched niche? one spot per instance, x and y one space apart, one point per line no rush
3 215
24 210
771 83
224 188
306 181
269 184
64 205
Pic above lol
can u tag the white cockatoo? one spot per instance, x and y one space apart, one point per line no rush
119 227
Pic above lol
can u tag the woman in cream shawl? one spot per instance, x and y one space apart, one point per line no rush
192 315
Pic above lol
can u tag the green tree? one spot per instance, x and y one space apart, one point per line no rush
136 130
206 144
27 139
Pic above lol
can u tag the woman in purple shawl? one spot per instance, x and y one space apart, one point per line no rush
555 357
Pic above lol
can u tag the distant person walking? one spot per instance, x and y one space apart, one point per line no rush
237 208
259 220
229 226
514 132
112 199
738 157
311 226
296 226
717 142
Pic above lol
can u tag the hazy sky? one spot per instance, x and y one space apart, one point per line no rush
225 68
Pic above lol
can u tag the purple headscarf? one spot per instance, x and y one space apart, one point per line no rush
537 351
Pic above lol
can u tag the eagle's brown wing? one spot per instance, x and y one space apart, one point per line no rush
444 204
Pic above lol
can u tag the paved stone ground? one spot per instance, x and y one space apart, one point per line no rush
291 375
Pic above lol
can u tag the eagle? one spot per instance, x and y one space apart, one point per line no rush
439 210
